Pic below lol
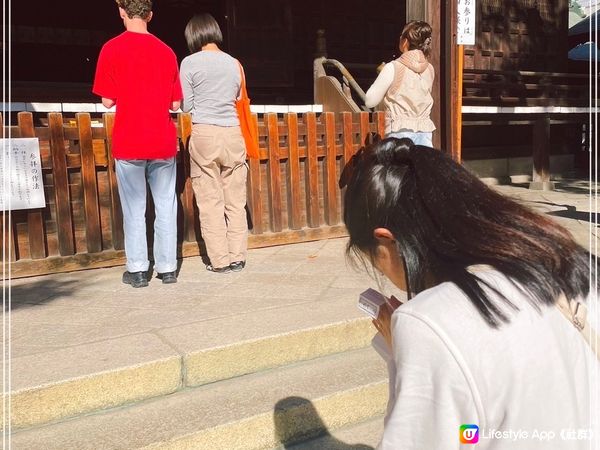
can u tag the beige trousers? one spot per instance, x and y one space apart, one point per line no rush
219 173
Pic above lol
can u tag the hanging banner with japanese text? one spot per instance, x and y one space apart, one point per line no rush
21 181
465 22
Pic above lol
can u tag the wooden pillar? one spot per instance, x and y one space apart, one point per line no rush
441 15
541 154
449 88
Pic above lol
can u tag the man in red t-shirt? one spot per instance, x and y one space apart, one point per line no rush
138 73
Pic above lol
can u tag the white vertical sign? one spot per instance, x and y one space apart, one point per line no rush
22 178
465 22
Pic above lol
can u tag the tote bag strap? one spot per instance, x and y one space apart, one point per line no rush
576 313
243 93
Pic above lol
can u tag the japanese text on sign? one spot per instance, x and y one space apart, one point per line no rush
465 23
21 180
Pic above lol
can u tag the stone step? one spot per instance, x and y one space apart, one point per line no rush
68 382
258 411
359 436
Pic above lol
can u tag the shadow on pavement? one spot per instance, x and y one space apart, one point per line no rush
570 212
297 420
577 186
40 292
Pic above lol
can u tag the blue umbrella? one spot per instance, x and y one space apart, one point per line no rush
584 52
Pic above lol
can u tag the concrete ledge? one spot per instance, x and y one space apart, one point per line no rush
78 380
301 422
205 367
542 185
517 170
65 383
257 411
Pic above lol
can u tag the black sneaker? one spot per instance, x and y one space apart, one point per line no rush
135 279
237 266
225 269
167 277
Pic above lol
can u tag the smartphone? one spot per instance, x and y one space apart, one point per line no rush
370 301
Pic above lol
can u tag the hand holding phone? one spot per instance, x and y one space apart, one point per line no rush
370 302
380 309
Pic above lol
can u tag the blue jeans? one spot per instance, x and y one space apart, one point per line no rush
418 137
161 175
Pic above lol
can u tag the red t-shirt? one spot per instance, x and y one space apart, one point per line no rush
139 72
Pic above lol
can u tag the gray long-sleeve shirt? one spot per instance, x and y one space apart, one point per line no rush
211 83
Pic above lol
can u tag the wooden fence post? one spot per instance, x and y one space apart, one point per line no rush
116 215
312 171
93 231
60 177
274 173
7 243
36 233
294 168
187 196
331 182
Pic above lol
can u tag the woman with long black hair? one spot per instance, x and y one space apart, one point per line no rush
482 341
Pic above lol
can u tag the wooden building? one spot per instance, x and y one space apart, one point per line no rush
56 44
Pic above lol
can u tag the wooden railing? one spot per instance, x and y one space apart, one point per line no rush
292 190
521 88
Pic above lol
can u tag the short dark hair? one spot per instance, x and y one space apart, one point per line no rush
136 8
202 29
445 220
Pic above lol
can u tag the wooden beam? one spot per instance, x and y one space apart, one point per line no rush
110 258
448 88
456 149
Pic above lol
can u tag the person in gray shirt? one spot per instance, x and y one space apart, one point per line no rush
211 79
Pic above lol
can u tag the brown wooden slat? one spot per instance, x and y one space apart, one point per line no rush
7 243
71 133
331 182
274 174
364 127
98 133
255 194
35 218
93 231
118 238
187 196
294 167
380 123
66 240
8 240
312 169
347 137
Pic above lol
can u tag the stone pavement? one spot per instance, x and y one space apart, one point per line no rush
63 310
72 326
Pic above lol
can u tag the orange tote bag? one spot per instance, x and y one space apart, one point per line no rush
249 131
